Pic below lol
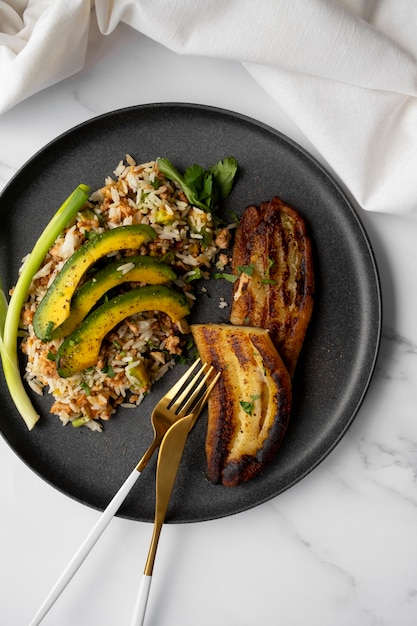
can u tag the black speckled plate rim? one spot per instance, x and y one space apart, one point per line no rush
340 351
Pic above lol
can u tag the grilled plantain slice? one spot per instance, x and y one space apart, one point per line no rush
273 257
249 408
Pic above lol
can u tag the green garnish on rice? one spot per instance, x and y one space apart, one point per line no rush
179 208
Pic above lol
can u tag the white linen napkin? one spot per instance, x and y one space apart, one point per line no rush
345 71
41 42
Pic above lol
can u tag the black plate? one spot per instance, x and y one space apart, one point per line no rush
339 354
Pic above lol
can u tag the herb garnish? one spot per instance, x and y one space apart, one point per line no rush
230 277
246 269
248 407
203 188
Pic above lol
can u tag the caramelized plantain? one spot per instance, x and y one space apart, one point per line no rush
249 408
273 256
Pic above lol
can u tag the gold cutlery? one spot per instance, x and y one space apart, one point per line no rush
183 400
169 459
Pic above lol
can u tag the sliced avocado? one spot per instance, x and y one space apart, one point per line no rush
54 307
81 349
133 268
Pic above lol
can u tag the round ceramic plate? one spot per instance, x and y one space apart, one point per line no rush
339 353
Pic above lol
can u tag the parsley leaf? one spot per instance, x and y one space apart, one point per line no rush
203 188
246 269
108 370
230 277
224 174
248 407
194 274
86 388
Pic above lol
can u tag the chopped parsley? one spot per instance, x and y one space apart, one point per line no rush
86 388
109 371
195 274
247 406
246 269
229 277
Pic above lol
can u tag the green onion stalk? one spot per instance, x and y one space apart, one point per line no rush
10 313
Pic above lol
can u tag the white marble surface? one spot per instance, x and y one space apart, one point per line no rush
339 548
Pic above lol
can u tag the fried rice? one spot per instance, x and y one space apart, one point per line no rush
150 342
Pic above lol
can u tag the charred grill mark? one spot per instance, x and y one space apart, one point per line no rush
240 353
219 438
219 403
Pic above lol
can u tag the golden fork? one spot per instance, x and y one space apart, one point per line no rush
181 400
169 459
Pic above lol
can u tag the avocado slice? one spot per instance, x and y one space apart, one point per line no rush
128 269
82 348
54 307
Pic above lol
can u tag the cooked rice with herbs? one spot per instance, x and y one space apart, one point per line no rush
141 349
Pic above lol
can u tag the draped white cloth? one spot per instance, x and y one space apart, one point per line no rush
345 71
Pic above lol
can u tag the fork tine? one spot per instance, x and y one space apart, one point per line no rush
196 410
189 395
181 399
171 394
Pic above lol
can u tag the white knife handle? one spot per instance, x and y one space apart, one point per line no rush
141 601
85 548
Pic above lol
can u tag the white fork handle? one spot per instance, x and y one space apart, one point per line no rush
85 548
141 601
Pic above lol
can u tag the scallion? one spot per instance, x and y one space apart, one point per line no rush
10 314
